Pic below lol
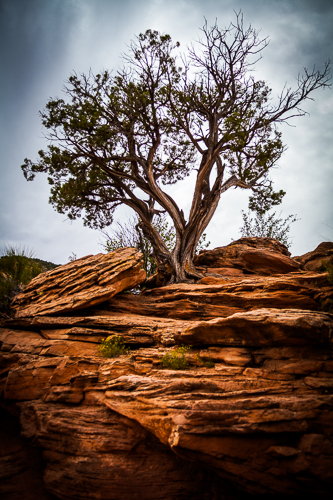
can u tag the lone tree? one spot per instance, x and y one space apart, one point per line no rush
118 139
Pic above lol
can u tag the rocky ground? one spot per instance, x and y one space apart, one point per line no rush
251 417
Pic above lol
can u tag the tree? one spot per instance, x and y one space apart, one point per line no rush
265 224
118 139
131 235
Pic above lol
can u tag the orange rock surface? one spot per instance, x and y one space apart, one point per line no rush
264 256
81 283
251 416
314 261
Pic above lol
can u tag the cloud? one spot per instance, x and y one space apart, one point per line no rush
43 42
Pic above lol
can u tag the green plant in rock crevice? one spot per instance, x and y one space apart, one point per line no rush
112 347
327 266
176 359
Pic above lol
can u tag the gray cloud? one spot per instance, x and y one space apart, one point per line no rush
43 42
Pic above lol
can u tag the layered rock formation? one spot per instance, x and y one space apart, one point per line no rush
318 258
251 416
263 256
81 283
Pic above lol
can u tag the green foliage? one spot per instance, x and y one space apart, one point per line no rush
264 224
112 347
93 133
130 234
45 265
17 267
176 359
267 226
327 266
264 198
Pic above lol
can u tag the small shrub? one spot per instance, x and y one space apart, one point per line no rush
17 268
112 347
327 267
72 257
176 359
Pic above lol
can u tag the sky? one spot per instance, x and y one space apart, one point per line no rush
44 41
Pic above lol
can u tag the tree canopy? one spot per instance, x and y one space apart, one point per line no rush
119 138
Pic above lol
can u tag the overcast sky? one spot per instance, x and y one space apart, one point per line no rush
43 41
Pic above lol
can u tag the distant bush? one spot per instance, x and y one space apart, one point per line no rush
327 267
17 267
267 225
176 359
112 347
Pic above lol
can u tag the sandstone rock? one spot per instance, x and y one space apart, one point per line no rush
21 464
263 256
223 297
135 329
238 421
95 453
233 356
252 415
262 327
313 261
261 417
81 283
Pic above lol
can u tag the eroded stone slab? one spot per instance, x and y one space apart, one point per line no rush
82 283
262 327
263 256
